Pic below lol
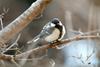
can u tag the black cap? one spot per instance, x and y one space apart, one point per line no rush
55 20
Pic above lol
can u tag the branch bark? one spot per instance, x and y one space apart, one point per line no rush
38 52
22 21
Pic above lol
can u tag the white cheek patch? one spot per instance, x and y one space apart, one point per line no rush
52 25
60 23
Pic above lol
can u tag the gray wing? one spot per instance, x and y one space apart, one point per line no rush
47 30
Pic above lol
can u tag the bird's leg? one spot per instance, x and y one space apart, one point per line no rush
53 43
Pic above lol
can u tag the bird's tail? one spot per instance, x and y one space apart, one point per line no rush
35 39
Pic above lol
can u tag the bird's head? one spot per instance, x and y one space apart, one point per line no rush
56 21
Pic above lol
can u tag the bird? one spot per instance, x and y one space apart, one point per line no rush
52 32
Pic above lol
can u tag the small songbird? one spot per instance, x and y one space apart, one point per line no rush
52 32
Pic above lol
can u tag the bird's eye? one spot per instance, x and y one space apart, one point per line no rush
55 21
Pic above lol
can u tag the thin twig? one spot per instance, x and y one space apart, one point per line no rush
2 16
15 43
85 33
79 58
89 56
1 23
3 63
15 63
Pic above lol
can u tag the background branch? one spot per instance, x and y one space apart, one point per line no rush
22 21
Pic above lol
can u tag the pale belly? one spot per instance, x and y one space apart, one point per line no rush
54 36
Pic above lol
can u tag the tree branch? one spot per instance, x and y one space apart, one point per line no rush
39 51
22 21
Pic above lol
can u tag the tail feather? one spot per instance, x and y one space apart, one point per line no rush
33 40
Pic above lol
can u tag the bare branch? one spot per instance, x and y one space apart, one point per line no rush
76 38
33 53
79 58
89 56
23 20
60 43
15 43
1 23
2 16
39 51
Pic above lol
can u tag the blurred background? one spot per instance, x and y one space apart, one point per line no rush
76 15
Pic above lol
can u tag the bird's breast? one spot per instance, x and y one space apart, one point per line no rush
53 36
